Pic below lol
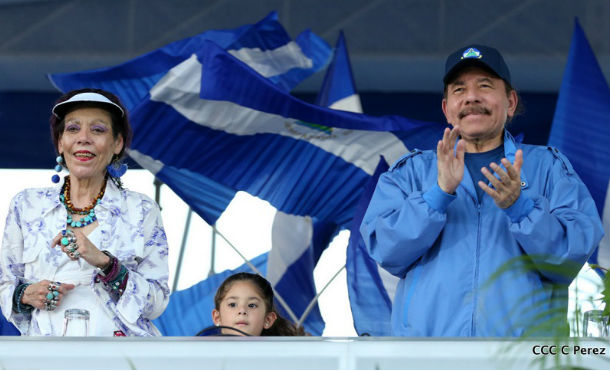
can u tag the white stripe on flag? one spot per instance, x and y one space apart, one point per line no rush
287 247
273 62
147 162
180 88
350 104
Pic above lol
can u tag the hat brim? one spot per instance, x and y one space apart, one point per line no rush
94 99
467 62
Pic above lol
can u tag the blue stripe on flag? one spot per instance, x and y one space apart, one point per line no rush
338 81
371 306
583 107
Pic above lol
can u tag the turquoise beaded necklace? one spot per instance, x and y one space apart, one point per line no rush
88 211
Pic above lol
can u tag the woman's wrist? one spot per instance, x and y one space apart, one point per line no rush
19 304
115 275
106 264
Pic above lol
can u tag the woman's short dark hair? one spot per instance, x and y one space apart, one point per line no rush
120 123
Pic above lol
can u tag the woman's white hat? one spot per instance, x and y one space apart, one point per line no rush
60 108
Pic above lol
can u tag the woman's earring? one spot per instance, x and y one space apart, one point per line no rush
116 169
59 159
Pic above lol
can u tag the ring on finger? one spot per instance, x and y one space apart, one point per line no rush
49 295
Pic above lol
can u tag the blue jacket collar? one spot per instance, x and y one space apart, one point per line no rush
510 148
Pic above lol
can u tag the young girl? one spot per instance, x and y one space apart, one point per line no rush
245 301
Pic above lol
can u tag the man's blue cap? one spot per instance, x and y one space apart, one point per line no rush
476 55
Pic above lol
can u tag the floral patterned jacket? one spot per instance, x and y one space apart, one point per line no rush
131 229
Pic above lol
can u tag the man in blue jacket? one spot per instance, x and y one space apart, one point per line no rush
486 234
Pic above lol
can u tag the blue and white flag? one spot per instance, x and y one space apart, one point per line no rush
308 168
371 288
298 241
265 46
277 156
338 88
583 107
189 311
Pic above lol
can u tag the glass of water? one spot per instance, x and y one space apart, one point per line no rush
595 324
76 322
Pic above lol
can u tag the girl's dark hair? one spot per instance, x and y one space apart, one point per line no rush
281 326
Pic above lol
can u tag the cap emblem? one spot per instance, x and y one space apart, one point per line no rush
472 53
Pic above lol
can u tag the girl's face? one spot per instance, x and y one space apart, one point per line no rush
243 308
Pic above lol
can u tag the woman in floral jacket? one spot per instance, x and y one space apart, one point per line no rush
86 243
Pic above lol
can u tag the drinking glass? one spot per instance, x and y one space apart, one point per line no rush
76 322
595 323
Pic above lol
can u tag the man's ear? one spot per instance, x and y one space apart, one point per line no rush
444 107
513 102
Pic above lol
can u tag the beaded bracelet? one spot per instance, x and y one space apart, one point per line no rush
120 282
115 275
18 307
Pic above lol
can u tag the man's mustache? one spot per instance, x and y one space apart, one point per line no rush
477 110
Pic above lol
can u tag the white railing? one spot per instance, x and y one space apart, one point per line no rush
300 353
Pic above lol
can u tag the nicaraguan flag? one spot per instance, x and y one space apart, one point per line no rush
247 138
371 288
265 46
298 241
303 159
581 129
